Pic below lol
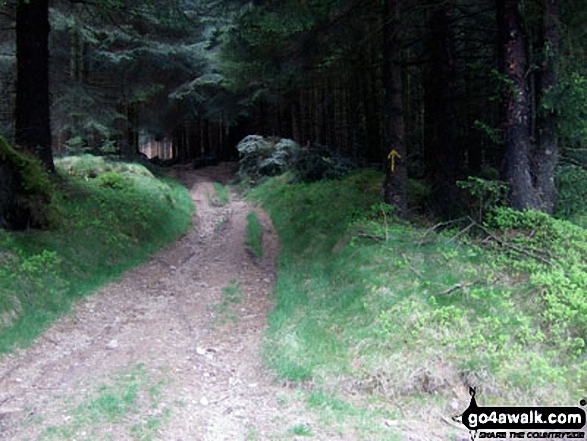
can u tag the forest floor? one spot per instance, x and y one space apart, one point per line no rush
170 351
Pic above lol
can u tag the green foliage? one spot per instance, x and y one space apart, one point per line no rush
254 236
301 430
76 145
261 158
34 178
106 221
572 192
495 135
94 142
90 167
221 195
265 157
154 52
320 162
413 315
569 100
112 179
486 195
563 282
35 190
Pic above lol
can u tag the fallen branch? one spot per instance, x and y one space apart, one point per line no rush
530 253
458 286
438 225
414 270
371 236
463 231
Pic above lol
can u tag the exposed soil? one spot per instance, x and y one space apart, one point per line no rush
183 332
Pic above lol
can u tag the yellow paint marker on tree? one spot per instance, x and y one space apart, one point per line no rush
392 155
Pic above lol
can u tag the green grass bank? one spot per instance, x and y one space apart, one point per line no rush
106 217
395 320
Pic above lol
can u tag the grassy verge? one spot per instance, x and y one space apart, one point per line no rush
254 236
110 217
404 320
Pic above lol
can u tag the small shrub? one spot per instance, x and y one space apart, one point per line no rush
262 158
76 146
319 163
485 195
108 147
112 179
265 157
563 282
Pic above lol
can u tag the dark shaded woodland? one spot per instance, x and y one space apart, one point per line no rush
429 90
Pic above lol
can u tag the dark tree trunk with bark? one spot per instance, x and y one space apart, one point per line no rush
516 169
529 163
32 120
396 180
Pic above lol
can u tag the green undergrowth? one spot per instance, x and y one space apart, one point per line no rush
254 234
391 311
109 217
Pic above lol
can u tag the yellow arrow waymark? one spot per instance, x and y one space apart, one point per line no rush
392 155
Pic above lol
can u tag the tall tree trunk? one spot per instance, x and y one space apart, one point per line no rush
32 118
516 167
529 163
395 187
547 148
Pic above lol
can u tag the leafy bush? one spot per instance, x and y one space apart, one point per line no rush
111 179
319 163
554 253
265 157
485 195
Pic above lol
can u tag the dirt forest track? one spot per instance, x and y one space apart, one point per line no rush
170 351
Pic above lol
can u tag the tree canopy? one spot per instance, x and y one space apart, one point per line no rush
433 90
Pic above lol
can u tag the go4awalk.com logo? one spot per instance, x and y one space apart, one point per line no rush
536 422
